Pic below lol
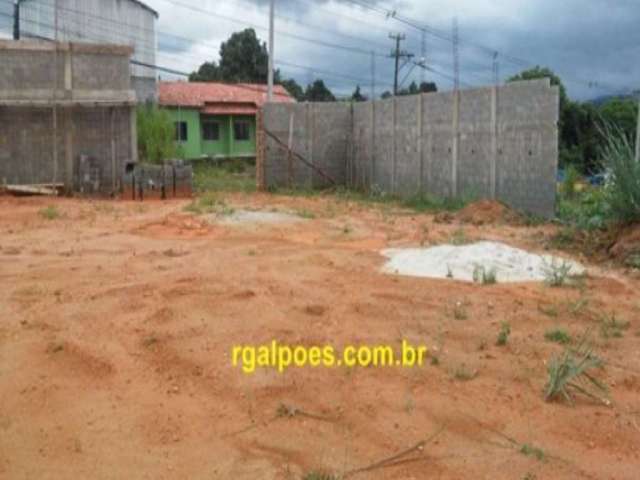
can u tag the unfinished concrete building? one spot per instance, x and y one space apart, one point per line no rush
118 22
67 115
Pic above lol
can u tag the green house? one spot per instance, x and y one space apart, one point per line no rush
216 120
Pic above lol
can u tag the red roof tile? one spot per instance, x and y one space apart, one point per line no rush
230 109
205 95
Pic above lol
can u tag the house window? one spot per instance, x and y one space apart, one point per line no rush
211 131
181 131
242 131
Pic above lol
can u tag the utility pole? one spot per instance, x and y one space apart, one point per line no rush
398 54
496 70
424 56
16 20
373 75
456 56
638 132
272 9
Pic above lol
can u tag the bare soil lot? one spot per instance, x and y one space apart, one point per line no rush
117 321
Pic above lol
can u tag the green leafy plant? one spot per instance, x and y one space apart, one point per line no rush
612 327
570 373
556 273
156 135
484 275
532 451
503 335
50 213
558 335
319 476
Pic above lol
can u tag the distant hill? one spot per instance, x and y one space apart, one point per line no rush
598 101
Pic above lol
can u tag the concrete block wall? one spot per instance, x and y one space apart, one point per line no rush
320 133
496 142
66 115
93 146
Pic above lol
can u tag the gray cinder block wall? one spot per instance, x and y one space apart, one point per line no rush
496 142
67 115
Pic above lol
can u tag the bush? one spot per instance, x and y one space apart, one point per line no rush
156 135
624 186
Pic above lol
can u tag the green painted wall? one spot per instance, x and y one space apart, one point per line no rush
226 146
192 147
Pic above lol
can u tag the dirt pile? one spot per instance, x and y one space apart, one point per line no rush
626 249
486 212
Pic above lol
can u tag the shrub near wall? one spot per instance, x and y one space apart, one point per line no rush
156 135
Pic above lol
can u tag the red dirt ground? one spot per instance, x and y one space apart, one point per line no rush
118 320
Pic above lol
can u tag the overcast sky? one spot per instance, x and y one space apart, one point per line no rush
594 45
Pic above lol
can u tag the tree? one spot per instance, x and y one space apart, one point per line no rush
357 96
294 89
208 72
386 94
574 120
243 59
540 72
622 112
318 92
428 87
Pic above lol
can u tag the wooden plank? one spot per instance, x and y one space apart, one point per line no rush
51 190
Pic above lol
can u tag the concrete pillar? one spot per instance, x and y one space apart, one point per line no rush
394 136
372 151
68 149
494 141
421 140
133 125
456 143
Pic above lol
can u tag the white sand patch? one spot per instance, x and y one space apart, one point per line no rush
460 262
249 217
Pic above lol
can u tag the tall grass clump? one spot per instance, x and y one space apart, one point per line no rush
571 373
618 156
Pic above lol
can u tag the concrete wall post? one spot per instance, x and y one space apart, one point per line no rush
494 141
394 136
421 141
455 143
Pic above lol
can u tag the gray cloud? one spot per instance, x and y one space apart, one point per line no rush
592 44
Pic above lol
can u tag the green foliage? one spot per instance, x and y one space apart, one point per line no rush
357 95
586 210
319 476
318 92
612 327
208 72
556 273
503 335
294 89
624 189
156 135
572 177
50 213
209 203
234 175
558 335
570 373
484 275
243 59
532 451
414 89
